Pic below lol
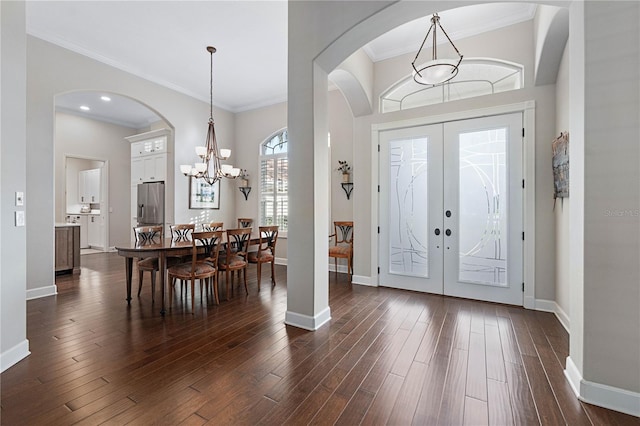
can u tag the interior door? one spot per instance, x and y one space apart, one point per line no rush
410 171
451 208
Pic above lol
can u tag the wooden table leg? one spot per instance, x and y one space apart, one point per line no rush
128 266
162 266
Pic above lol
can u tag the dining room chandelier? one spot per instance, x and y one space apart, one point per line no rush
210 168
437 70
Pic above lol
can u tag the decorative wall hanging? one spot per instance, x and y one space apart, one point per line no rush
560 148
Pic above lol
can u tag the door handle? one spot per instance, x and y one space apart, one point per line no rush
437 231
448 213
448 232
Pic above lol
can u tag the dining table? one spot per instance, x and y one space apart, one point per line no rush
160 248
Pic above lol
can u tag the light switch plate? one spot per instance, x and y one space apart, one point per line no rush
19 198
20 218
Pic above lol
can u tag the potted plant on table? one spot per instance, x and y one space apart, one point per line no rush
345 169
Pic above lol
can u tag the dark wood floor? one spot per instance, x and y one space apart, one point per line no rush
387 357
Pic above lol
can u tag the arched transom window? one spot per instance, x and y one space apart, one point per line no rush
274 177
477 77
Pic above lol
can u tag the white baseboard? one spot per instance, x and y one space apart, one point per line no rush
36 293
281 261
601 395
12 356
553 307
307 322
363 280
342 269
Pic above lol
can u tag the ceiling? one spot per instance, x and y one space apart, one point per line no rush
165 42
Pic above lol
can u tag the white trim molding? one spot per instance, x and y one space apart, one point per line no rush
281 261
307 322
36 293
12 356
601 395
364 280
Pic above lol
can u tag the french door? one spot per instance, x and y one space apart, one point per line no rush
451 208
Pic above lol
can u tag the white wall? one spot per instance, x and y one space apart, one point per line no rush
612 196
255 126
68 71
563 205
85 138
252 128
13 253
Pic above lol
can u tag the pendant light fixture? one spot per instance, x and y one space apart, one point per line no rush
436 71
210 169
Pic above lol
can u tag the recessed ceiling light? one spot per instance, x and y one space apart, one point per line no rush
105 98
84 108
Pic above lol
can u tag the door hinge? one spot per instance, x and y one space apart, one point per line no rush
378 188
523 132
378 147
522 285
378 269
523 183
523 236
378 229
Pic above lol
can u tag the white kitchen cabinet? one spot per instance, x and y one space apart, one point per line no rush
157 145
89 186
95 234
150 168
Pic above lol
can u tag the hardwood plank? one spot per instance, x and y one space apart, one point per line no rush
409 395
431 396
494 358
384 401
475 412
453 398
548 409
356 408
499 403
524 409
476 386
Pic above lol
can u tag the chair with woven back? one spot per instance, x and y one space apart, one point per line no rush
235 254
148 235
199 268
266 252
245 222
343 244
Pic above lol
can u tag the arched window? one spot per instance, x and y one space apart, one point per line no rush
274 181
477 77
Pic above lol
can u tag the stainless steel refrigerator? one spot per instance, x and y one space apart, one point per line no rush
150 209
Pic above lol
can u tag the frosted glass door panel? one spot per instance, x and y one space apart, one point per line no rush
483 203
483 208
410 243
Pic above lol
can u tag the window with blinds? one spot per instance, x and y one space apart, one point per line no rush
274 181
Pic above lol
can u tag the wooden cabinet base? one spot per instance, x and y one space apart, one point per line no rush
67 240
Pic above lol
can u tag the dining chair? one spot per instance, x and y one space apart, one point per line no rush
199 268
266 252
213 226
235 254
342 247
147 235
245 222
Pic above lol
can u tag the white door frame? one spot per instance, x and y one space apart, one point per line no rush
528 110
